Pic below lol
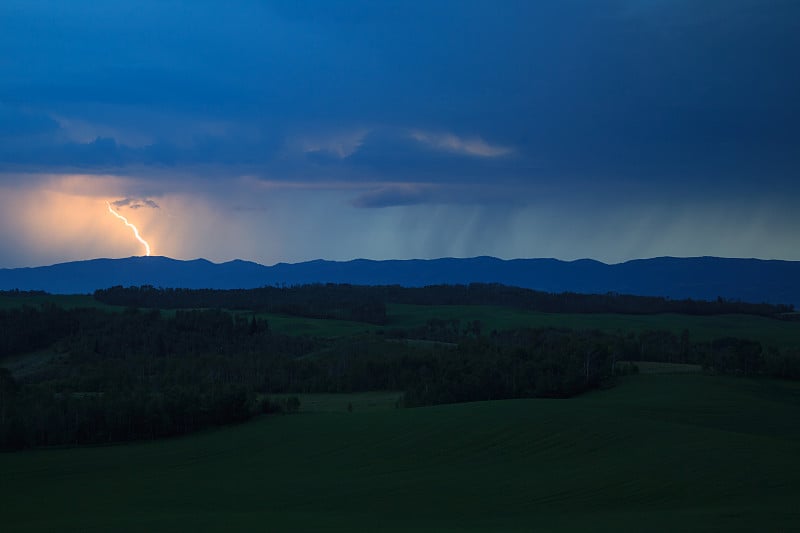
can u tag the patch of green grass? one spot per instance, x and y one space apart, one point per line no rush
770 332
701 328
67 301
339 403
656 453
29 364
314 327
650 367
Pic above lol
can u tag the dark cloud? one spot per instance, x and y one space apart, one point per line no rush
610 88
135 203
412 193
15 123
414 155
105 154
450 105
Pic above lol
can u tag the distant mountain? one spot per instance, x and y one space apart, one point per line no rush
751 280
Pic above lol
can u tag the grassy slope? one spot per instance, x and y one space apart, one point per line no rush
702 328
29 364
770 332
67 301
658 452
338 403
315 327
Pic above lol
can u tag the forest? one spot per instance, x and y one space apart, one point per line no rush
368 303
156 369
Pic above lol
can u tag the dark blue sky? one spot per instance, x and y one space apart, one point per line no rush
285 131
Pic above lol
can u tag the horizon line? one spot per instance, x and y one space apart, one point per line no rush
159 257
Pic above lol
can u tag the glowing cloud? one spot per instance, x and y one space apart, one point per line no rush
133 228
448 142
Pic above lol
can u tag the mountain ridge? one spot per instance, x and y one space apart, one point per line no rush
705 277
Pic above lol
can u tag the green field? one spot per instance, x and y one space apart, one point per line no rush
701 328
67 301
656 453
315 327
768 331
339 403
650 367
24 365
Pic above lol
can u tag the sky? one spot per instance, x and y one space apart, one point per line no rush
298 130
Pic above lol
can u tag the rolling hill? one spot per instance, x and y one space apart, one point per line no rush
671 452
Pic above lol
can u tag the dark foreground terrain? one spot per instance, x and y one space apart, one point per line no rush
659 452
341 408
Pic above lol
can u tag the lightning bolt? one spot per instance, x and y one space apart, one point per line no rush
135 231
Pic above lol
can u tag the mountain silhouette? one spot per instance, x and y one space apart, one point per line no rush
750 280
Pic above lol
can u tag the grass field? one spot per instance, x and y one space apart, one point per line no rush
24 365
662 452
315 327
770 332
701 328
651 367
339 403
67 301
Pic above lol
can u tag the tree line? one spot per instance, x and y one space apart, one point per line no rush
146 374
368 303
343 302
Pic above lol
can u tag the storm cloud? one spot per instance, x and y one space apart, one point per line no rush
135 203
556 117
